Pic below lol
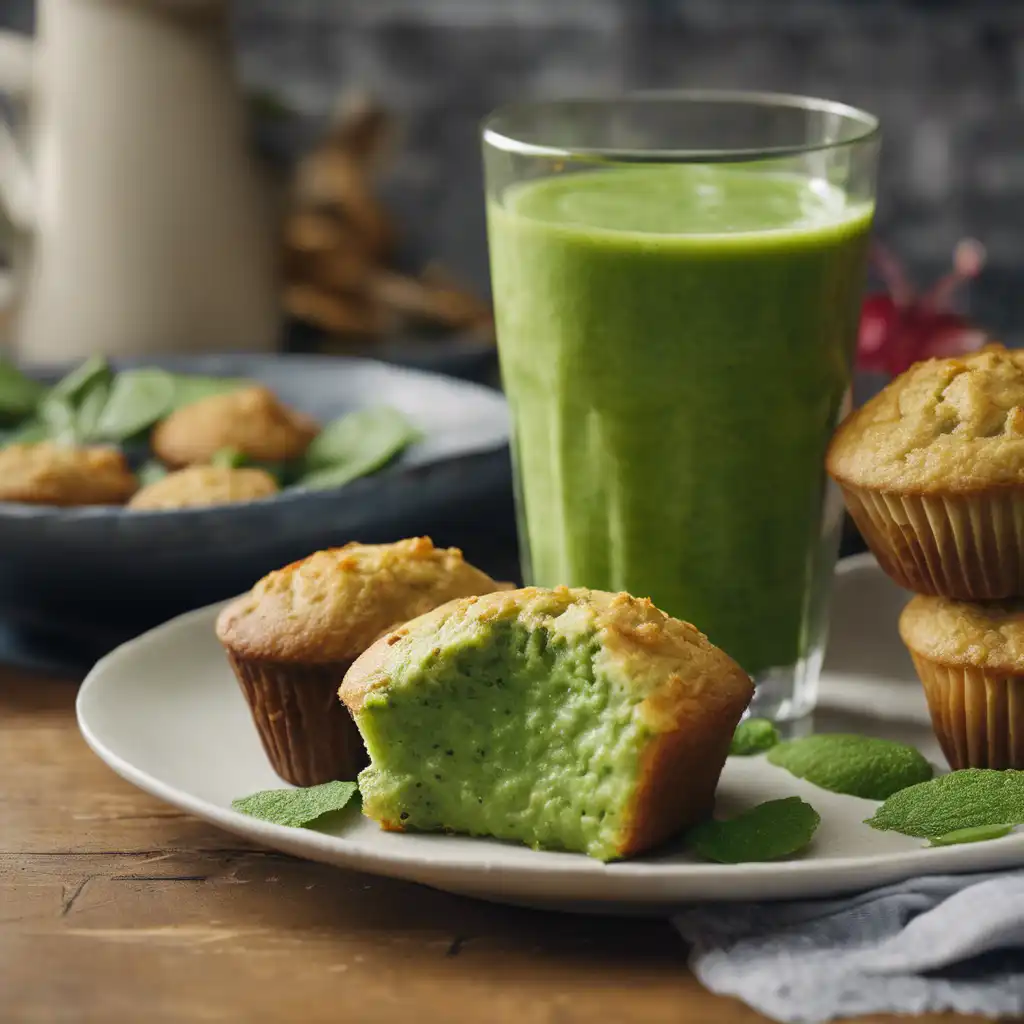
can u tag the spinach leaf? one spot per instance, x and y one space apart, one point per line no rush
188 389
150 472
19 395
70 410
355 445
59 419
72 388
138 398
28 432
229 458
90 411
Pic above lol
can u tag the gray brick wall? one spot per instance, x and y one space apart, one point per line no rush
946 76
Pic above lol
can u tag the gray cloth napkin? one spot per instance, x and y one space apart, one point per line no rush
947 942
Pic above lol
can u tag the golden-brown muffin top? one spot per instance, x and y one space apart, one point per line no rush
251 420
952 425
205 485
50 474
989 636
332 605
670 663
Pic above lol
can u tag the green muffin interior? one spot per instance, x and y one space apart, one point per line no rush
510 731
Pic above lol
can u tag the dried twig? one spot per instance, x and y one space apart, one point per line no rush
339 243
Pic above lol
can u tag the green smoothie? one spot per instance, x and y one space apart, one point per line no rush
676 344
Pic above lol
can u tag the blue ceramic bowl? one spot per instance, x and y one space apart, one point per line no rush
118 570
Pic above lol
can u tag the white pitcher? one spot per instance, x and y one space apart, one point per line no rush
138 214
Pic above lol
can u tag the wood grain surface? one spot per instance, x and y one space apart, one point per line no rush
116 908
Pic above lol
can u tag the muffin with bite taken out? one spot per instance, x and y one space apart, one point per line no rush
567 719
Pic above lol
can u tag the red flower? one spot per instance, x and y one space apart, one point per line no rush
901 327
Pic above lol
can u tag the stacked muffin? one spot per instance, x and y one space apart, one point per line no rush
932 471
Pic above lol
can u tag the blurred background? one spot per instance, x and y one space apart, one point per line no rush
945 76
182 172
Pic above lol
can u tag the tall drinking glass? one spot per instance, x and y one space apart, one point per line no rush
677 283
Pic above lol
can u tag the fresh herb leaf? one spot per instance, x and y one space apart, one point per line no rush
19 395
770 831
977 834
70 410
229 458
298 808
355 445
233 458
138 398
853 765
753 736
189 389
59 419
965 799
73 386
29 432
150 472
90 410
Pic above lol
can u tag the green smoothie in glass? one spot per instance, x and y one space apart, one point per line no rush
677 282
676 344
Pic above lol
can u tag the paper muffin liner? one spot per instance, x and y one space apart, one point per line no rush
307 733
965 546
977 715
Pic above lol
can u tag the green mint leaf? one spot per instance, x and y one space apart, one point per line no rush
753 736
950 803
853 765
978 834
150 472
138 398
298 808
19 395
355 445
770 831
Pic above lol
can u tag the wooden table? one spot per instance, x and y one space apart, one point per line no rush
116 908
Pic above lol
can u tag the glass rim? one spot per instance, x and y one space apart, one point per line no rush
869 125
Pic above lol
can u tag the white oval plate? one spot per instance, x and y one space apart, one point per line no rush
165 712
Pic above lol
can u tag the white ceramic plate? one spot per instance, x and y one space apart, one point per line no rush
164 712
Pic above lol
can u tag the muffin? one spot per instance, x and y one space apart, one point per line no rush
563 719
205 485
932 470
970 659
52 474
250 420
291 639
